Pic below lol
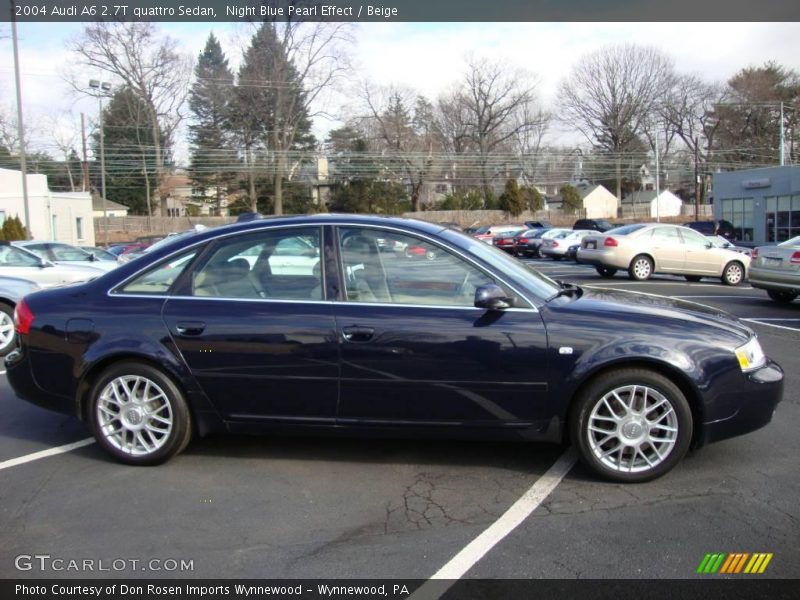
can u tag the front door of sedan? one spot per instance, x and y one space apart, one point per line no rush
415 350
701 257
259 338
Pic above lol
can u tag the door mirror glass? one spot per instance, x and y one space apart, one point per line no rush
492 297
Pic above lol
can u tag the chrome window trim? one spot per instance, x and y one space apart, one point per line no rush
111 292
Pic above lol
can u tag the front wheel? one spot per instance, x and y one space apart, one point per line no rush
631 425
778 296
138 414
733 273
605 272
641 268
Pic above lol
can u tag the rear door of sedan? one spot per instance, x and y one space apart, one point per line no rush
251 322
416 351
668 249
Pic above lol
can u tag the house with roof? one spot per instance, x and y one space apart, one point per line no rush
647 203
103 207
597 202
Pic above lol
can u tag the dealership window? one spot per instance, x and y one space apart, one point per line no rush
782 217
79 227
739 211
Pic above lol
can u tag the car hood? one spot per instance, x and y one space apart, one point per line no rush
634 305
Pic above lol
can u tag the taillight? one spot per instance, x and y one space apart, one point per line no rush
554 244
611 242
23 318
754 254
795 258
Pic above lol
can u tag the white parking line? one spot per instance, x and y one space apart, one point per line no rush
722 296
492 535
45 453
2 372
758 321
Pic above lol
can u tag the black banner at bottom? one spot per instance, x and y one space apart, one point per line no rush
374 589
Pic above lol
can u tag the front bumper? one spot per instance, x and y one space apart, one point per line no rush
747 408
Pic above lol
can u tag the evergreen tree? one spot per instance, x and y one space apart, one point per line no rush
212 161
533 198
129 152
572 199
512 200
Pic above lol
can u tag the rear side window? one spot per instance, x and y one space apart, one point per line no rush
159 279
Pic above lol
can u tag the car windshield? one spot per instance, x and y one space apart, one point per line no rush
539 284
791 243
483 229
625 229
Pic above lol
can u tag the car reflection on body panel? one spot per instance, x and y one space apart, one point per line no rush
348 338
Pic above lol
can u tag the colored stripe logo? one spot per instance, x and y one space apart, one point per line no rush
734 563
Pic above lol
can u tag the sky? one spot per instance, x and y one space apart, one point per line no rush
427 57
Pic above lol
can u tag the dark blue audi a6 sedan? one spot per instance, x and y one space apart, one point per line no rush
305 323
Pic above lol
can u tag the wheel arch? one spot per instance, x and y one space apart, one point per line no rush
678 377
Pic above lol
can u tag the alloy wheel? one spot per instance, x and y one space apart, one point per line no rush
632 429
134 415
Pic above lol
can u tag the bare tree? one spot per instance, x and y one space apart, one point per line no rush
405 126
65 136
150 65
689 110
494 106
612 93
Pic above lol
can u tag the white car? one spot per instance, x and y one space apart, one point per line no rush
18 262
64 254
556 246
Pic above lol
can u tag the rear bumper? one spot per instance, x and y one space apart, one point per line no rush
745 409
774 280
20 378
599 258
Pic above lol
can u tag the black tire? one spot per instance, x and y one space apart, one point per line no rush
6 329
733 274
605 272
781 297
694 278
167 402
641 268
639 468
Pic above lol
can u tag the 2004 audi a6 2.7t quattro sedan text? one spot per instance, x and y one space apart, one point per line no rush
301 322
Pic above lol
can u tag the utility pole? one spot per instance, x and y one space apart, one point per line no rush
696 179
658 182
783 162
20 128
85 162
105 87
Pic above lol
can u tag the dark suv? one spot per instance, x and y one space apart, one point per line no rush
600 225
721 227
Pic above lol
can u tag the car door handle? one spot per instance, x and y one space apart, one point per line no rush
190 327
358 334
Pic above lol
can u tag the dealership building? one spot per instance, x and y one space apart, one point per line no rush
762 204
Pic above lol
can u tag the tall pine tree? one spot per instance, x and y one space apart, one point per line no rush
212 162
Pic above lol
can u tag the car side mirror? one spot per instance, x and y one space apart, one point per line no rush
709 245
44 263
492 297
92 257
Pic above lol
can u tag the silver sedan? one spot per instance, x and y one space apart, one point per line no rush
643 249
776 269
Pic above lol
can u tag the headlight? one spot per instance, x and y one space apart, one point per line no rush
751 356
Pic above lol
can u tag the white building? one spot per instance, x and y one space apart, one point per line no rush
599 203
60 216
666 205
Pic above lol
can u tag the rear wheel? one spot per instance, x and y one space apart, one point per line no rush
631 425
138 414
605 272
733 273
694 278
6 329
778 296
641 268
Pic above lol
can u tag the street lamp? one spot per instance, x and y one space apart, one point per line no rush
104 87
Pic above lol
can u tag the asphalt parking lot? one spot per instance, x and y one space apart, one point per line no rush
330 507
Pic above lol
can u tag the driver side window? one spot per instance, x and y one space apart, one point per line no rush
387 267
